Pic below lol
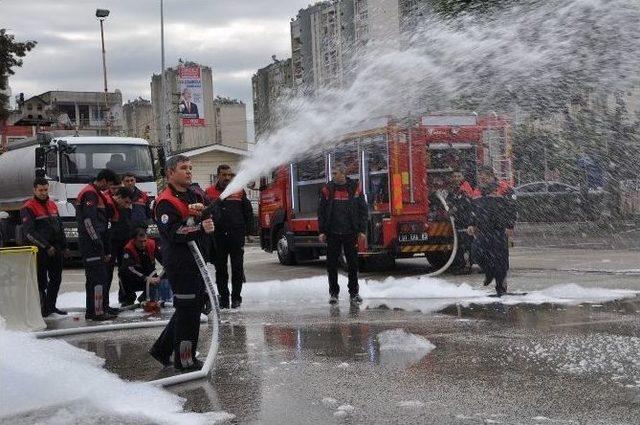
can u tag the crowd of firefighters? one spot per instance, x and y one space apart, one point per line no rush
113 215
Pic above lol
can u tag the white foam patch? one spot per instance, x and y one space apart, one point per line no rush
417 293
70 383
77 300
401 349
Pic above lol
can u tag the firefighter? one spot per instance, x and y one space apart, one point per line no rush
138 265
492 220
178 212
119 207
140 208
236 220
342 221
43 228
459 200
94 243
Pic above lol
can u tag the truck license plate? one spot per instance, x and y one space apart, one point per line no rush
413 237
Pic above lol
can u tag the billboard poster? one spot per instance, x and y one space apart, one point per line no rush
191 106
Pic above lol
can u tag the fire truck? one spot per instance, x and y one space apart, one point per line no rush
401 165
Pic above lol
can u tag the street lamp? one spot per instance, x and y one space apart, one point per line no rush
102 14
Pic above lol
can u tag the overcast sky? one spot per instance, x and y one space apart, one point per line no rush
234 37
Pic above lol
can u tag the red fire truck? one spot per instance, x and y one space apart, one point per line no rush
400 164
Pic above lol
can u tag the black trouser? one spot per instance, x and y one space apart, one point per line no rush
128 288
95 270
49 279
491 252
117 251
181 334
464 247
229 244
335 245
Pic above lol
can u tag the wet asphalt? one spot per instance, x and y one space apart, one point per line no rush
521 364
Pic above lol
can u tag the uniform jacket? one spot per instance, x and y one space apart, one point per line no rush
235 212
93 218
342 207
137 265
41 224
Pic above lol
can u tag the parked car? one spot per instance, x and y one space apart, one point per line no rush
545 201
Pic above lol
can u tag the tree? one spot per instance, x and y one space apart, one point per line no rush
11 52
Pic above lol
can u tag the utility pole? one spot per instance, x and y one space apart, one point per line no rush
165 125
102 14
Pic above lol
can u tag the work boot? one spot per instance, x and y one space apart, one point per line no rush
100 318
236 303
333 300
501 287
113 311
197 365
356 299
56 310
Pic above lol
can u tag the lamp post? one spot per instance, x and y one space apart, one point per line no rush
165 126
102 14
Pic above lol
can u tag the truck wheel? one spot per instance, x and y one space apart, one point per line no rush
285 255
438 259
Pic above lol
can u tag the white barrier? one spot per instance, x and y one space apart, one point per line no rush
19 296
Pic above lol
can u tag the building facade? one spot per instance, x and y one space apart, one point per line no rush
184 134
138 120
269 85
82 111
231 123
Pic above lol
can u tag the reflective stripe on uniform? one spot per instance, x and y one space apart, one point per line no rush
185 296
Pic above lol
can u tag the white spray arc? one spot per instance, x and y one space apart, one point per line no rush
533 57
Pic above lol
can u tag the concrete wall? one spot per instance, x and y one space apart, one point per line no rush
205 165
231 122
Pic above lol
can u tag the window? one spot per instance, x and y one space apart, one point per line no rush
347 154
83 162
51 166
376 157
311 176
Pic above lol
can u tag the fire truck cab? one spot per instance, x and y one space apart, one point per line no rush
400 165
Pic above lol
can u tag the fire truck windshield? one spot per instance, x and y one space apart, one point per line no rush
81 163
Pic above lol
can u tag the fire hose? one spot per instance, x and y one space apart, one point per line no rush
454 251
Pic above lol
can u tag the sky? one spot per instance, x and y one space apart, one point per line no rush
233 37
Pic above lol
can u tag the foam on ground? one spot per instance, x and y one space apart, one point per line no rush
401 349
417 293
63 381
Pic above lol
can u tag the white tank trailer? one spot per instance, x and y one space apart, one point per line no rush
68 163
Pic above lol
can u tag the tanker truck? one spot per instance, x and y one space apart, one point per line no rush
68 163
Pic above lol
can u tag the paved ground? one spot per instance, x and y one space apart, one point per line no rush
491 363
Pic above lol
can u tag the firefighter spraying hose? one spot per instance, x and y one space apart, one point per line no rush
214 319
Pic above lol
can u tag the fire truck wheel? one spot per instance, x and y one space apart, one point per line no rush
285 255
438 259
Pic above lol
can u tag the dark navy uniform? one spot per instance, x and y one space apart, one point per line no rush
460 206
121 227
235 222
135 267
493 213
342 215
177 227
140 209
43 228
94 242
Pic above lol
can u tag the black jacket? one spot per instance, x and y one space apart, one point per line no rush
176 230
93 219
42 225
235 213
342 208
